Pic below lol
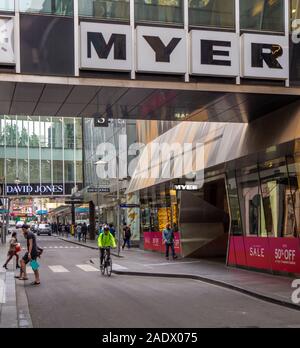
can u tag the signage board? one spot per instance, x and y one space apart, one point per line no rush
159 50
98 190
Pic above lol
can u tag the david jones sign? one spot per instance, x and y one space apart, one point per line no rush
164 50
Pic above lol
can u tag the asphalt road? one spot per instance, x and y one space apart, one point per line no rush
69 296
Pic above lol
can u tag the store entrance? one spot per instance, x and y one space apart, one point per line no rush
204 222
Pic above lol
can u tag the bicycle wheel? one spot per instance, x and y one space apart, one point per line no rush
109 267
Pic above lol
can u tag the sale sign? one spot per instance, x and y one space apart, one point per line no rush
285 254
266 253
257 252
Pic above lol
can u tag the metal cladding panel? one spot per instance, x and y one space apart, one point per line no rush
47 45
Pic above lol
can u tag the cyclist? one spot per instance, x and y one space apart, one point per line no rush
105 241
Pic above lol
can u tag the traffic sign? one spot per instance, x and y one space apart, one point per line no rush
98 190
129 206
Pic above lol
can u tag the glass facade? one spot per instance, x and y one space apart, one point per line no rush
104 9
159 206
215 13
165 11
7 5
266 198
54 7
41 150
255 15
262 15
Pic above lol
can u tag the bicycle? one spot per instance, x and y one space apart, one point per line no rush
107 263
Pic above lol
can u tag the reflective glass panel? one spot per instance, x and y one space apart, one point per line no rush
165 11
54 7
104 9
212 13
265 15
7 5
250 200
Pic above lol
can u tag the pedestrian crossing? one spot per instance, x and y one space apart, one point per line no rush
84 268
58 247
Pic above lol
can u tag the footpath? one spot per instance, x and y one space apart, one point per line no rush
135 262
14 312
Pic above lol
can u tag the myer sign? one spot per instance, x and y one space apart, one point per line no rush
163 50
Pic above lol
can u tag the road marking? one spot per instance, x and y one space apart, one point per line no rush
171 263
58 269
87 268
118 267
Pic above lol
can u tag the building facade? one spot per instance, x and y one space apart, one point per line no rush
40 156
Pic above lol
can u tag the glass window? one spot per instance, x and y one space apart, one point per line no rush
279 219
69 171
250 200
2 164
55 7
265 15
7 5
34 149
46 171
69 133
79 177
293 200
11 170
58 176
212 13
165 11
236 221
23 170
114 9
34 171
295 9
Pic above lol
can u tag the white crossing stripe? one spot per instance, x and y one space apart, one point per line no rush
118 267
2 291
58 269
87 268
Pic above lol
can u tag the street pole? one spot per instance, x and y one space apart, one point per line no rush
118 207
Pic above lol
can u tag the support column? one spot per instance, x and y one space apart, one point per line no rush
73 214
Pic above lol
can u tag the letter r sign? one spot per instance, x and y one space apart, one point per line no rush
265 56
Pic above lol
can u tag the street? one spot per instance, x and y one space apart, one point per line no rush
73 293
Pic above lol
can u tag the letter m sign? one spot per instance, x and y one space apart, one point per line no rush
105 46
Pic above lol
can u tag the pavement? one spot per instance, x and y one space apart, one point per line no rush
14 312
272 288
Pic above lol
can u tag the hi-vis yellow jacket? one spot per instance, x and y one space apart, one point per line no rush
106 240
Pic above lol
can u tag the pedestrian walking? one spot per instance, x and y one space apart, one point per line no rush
84 231
30 256
67 230
112 230
169 240
14 248
126 236
79 231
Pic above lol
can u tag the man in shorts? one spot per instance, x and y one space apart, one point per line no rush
31 255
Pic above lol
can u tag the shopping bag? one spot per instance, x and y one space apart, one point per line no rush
18 248
34 265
